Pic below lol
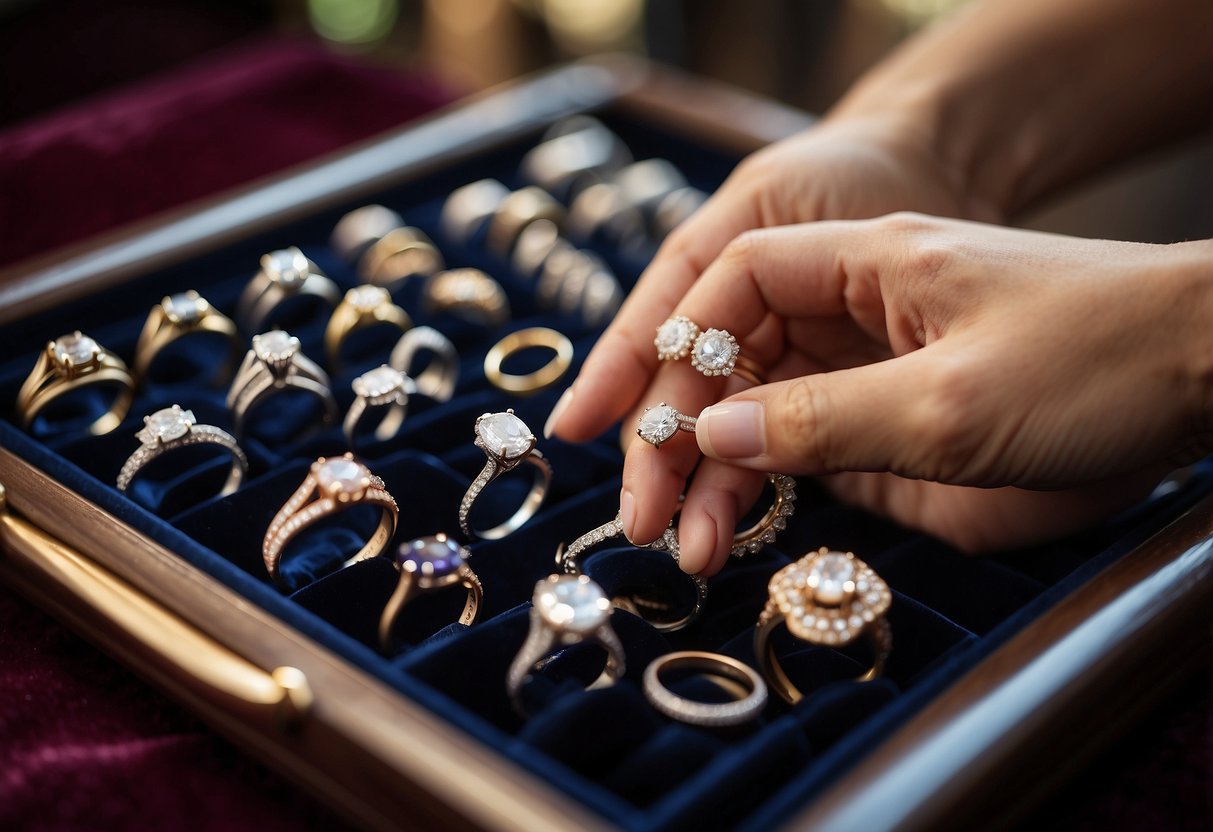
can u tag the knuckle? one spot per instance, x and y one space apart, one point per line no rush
742 250
802 428
906 223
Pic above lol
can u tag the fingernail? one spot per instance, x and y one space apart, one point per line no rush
627 512
562 404
732 430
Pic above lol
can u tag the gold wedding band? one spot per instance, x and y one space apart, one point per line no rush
545 376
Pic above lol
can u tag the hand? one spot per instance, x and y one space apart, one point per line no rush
934 354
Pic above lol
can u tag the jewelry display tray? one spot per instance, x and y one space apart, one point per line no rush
998 663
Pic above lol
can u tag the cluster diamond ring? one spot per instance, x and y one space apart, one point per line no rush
276 363
70 363
430 564
713 352
285 275
171 428
507 443
827 598
182 315
384 389
736 678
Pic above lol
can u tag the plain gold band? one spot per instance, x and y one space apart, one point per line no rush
545 376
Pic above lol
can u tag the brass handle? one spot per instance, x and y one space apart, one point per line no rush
133 623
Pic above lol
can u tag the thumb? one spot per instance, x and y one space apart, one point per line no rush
868 418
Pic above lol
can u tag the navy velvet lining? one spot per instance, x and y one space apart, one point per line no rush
607 748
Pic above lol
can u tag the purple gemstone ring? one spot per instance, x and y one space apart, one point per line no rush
428 564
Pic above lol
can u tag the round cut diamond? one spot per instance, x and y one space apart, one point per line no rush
287 266
341 474
166 424
367 298
76 348
832 578
658 424
504 434
436 556
378 382
572 602
716 351
275 345
675 336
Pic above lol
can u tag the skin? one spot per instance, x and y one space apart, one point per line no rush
882 338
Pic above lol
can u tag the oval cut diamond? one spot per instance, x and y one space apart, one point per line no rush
341 475
378 382
832 577
437 556
167 424
658 424
572 602
76 348
505 435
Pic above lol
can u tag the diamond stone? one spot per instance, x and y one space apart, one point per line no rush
287 266
275 345
572 602
76 348
378 382
184 307
674 337
165 425
504 434
341 475
367 298
657 424
832 578
435 556
716 351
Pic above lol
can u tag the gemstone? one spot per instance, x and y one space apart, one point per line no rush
504 435
367 298
832 577
287 266
166 424
341 474
76 348
657 424
438 556
716 350
378 382
675 336
275 345
572 602
184 307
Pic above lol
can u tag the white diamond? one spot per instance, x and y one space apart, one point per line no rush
505 435
287 266
832 578
715 350
378 382
572 602
275 345
366 298
166 424
658 424
185 307
76 348
674 337
341 474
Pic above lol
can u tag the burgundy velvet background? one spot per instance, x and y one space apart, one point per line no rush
83 744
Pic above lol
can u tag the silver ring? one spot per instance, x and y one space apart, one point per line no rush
171 428
507 442
276 363
658 424
736 678
438 377
713 352
566 610
383 388
284 274
569 560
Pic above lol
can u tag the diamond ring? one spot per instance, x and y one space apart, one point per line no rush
362 307
276 363
171 428
565 610
426 565
569 560
736 678
332 485
437 377
285 275
383 388
179 316
659 423
507 442
713 352
827 598
71 363
469 294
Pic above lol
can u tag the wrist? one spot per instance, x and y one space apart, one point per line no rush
1198 286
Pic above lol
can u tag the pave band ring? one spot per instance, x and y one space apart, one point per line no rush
436 378
507 442
565 610
713 352
827 598
363 306
284 275
171 428
736 678
332 485
569 560
70 363
176 317
276 363
426 565
545 376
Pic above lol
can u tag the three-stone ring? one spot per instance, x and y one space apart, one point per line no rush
569 560
469 294
565 610
171 428
529 338
736 678
429 564
713 352
507 443
362 307
276 363
70 363
827 598
332 485
285 274
179 316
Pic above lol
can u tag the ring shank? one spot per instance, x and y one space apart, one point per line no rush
377 542
534 499
878 635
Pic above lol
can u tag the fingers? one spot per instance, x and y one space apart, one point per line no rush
718 497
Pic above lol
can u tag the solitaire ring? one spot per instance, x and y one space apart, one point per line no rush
426 565
736 678
171 428
515 342
70 363
332 485
362 307
507 442
565 610
827 598
276 363
660 422
284 275
180 316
